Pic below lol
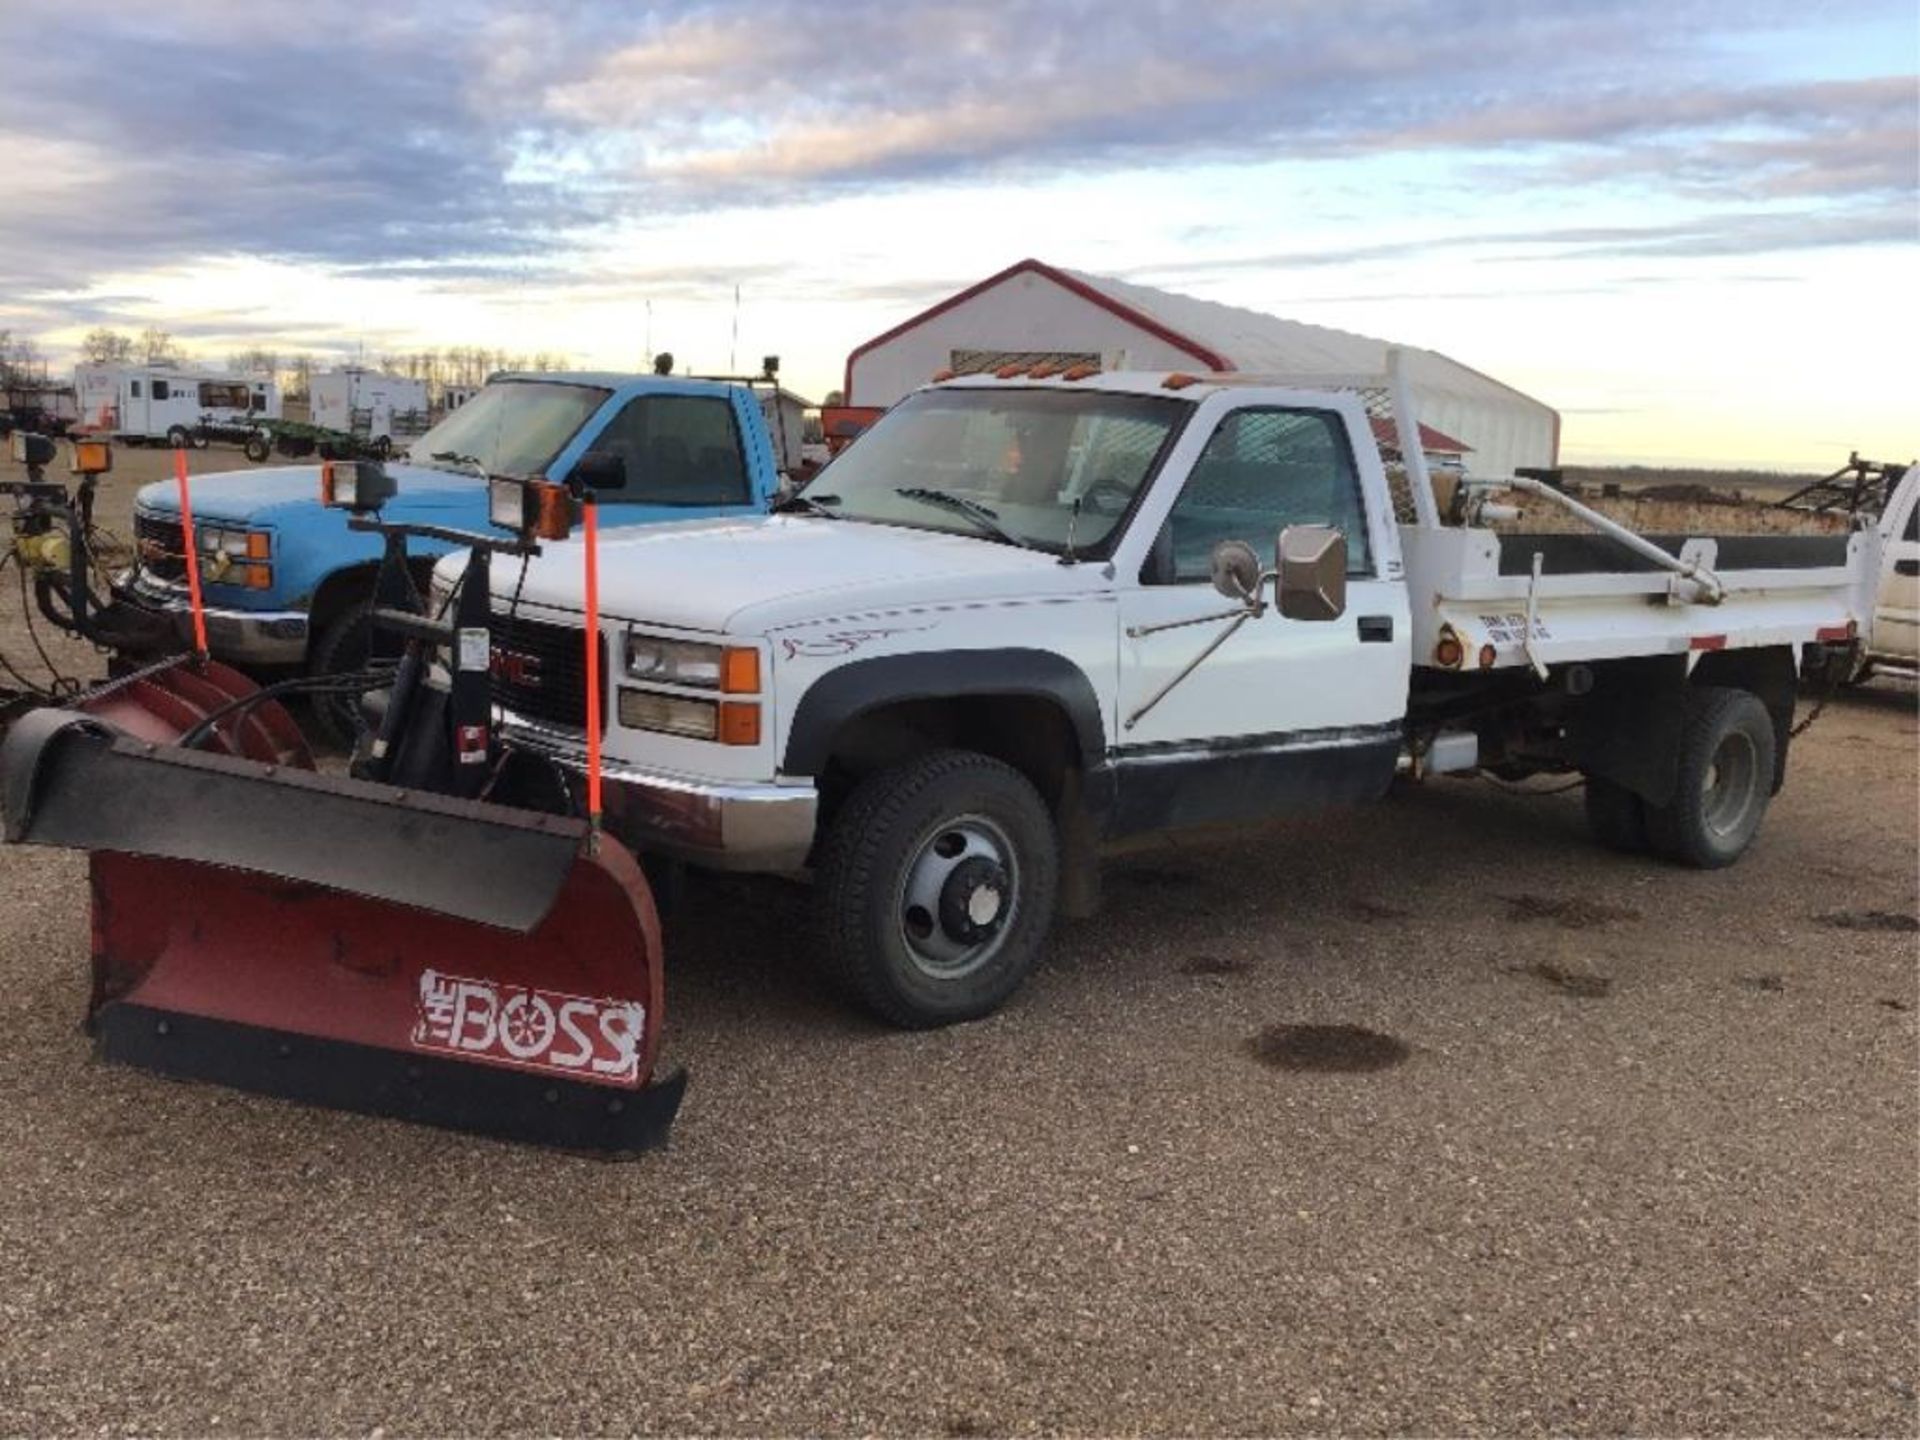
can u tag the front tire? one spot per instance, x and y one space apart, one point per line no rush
1724 781
936 888
342 648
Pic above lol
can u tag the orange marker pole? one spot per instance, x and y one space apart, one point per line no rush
590 513
193 557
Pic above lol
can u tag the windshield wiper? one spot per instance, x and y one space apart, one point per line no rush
987 520
454 457
811 504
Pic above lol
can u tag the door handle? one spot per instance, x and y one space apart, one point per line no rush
1376 629
1906 567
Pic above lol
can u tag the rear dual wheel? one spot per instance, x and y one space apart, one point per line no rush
1722 785
936 888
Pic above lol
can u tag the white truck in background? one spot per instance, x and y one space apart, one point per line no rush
1032 617
1893 638
1882 498
138 403
369 405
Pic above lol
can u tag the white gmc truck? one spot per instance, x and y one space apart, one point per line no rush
1031 616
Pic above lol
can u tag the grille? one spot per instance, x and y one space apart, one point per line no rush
540 671
160 546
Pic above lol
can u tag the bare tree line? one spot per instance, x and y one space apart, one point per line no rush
455 365
21 362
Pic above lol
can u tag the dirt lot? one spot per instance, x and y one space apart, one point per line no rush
1637 1153
1613 1147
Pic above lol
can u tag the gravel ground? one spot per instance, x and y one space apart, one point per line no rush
1636 1152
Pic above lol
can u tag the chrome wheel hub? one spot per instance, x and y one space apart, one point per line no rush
1727 788
958 897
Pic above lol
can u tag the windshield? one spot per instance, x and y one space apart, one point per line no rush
1012 461
513 427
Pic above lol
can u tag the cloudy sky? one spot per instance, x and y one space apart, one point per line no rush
1692 225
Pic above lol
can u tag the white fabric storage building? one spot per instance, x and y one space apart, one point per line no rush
1033 310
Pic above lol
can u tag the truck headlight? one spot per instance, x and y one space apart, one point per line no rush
669 714
673 662
734 669
235 544
235 557
731 722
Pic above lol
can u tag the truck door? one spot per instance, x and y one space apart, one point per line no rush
1287 715
1896 614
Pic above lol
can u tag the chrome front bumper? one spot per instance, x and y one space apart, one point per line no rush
248 637
722 825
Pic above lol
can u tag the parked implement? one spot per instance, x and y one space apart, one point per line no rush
392 941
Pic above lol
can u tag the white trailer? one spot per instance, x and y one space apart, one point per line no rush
370 404
162 402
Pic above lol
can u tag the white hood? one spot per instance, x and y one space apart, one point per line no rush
755 575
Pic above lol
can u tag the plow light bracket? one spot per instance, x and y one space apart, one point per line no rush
90 457
533 509
361 486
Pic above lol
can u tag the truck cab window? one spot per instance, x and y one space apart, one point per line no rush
679 449
1913 521
1262 471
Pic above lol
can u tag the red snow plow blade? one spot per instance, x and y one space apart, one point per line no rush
441 960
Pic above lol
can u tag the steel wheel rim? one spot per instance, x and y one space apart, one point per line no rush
948 859
1726 790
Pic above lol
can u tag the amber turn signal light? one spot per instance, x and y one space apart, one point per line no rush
739 722
740 670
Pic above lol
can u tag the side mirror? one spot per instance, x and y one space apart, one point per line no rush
1311 561
598 470
1235 569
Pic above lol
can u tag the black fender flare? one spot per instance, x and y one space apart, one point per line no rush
865 685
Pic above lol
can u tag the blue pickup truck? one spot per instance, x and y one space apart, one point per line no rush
287 584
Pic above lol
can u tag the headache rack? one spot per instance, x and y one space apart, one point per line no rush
1501 597
1859 487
